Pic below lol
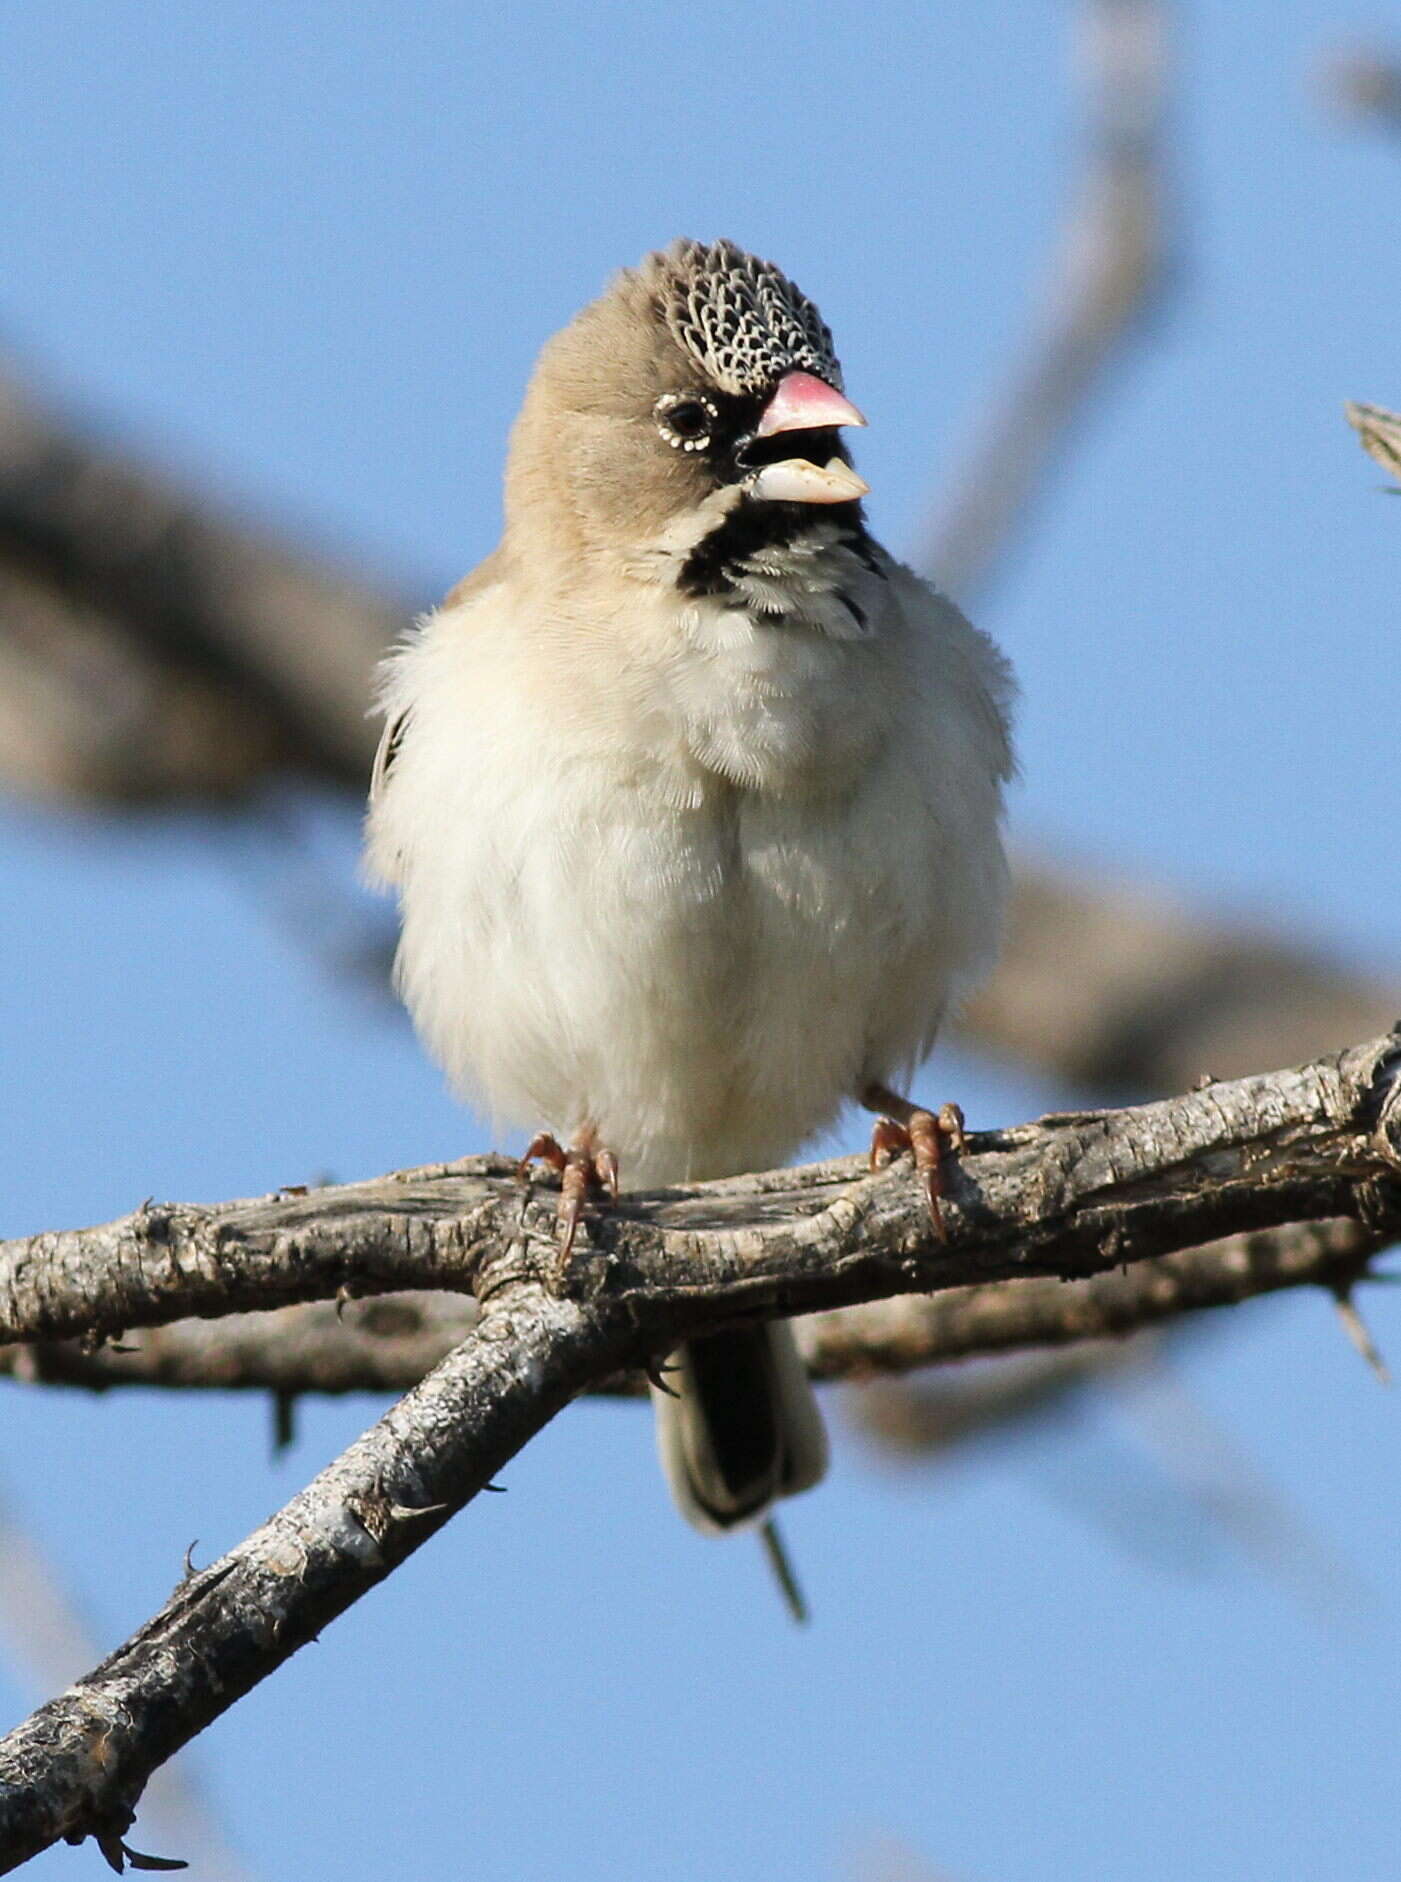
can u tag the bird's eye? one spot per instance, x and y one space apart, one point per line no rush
686 423
689 419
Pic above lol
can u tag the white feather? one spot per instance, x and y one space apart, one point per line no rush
691 872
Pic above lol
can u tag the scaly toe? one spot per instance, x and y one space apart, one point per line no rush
543 1148
584 1167
926 1137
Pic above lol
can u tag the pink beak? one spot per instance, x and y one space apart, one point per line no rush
802 402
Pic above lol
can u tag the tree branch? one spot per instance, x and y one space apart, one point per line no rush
1378 432
1117 988
1364 83
1077 1194
899 1335
1109 273
76 1767
391 1342
48 1643
1072 1195
276 649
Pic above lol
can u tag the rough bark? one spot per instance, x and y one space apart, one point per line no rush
1070 1195
76 1767
1077 1194
389 1343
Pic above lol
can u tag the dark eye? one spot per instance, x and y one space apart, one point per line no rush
688 420
685 422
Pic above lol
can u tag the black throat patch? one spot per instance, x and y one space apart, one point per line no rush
717 563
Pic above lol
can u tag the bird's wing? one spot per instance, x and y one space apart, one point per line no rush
390 739
383 857
398 683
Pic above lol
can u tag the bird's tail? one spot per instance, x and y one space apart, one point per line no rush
739 1426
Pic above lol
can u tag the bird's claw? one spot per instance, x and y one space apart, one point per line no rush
926 1135
605 1168
582 1168
655 1375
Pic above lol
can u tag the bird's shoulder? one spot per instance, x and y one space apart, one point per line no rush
399 679
486 575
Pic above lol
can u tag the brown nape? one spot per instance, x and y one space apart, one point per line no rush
587 465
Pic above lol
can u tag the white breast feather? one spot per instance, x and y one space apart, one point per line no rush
697 891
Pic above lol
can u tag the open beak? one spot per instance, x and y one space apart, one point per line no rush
802 402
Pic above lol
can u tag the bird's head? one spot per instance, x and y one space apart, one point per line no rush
700 394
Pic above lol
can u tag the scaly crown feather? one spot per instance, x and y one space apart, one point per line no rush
741 318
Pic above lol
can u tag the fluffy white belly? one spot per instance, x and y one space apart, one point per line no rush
703 966
706 983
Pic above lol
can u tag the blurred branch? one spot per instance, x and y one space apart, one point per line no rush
87 711
389 1343
1116 988
1198 1477
150 650
910 1419
386 1344
1109 275
226 651
1364 83
1082 1193
1230 1490
1093 1323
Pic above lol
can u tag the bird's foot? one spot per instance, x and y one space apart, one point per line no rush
925 1134
584 1169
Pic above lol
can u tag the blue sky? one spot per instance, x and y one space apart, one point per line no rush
308 253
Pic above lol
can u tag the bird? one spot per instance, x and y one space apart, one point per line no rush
691 795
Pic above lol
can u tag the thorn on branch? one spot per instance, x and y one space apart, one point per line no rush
90 1344
1358 1332
108 1833
406 1512
115 1850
